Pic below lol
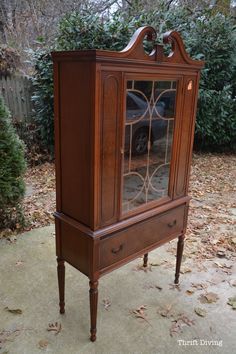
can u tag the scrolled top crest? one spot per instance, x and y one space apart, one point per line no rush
135 49
135 45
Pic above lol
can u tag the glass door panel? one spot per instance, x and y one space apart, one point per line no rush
149 124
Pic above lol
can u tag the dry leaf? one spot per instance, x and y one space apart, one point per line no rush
199 286
140 313
152 286
200 312
179 323
9 335
220 254
144 269
158 287
15 311
233 240
208 298
43 343
219 264
158 263
106 303
189 292
55 327
232 282
232 302
186 320
19 263
166 311
185 270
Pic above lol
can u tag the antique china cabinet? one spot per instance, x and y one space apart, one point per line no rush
124 126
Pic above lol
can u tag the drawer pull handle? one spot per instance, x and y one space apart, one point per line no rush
116 250
173 223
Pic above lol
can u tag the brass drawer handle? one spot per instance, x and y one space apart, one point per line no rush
173 223
116 250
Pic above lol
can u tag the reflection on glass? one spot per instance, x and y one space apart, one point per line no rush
150 112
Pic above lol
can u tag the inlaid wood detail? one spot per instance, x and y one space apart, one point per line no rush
185 139
109 146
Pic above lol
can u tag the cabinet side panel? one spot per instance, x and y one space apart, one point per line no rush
56 75
110 103
186 136
75 139
75 247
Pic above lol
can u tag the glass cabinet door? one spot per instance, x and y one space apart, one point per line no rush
149 124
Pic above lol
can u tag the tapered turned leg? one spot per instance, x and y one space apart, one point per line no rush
61 283
180 247
145 260
93 295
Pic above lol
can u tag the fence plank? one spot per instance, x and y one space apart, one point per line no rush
16 91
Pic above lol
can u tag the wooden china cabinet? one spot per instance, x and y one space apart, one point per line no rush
124 127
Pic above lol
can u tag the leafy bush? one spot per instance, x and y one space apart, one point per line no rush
75 32
213 38
43 98
206 36
210 36
11 174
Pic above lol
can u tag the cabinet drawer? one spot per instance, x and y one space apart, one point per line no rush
137 237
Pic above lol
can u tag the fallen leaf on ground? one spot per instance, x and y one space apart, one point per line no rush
218 264
106 303
199 286
232 302
166 311
220 254
12 239
15 311
144 269
43 343
19 263
189 292
232 282
8 335
55 327
186 320
185 270
157 263
158 287
179 323
140 313
208 298
223 265
152 286
200 312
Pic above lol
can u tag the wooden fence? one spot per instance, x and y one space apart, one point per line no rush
17 91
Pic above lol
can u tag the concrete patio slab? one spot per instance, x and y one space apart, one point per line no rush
28 281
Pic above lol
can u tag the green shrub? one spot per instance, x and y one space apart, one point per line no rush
210 36
206 36
43 98
76 31
11 172
216 120
213 38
